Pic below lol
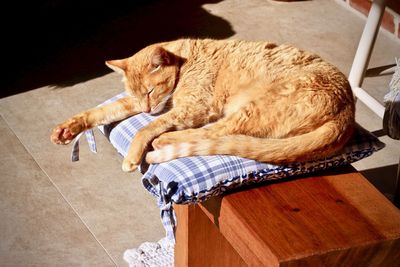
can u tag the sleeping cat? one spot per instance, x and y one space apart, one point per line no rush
258 100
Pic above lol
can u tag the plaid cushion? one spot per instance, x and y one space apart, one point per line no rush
194 179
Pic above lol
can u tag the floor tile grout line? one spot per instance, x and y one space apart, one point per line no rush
59 191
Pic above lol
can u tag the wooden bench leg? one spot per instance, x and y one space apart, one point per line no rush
397 188
199 242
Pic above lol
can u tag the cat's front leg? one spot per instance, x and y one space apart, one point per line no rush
65 132
141 141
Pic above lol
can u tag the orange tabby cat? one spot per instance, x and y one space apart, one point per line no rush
258 100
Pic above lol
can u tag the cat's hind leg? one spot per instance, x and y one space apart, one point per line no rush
176 144
253 119
171 144
246 121
179 137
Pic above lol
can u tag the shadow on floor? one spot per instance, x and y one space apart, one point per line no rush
383 178
66 42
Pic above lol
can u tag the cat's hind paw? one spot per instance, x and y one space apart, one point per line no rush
166 153
165 139
153 157
157 143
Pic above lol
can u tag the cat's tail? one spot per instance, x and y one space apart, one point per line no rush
323 141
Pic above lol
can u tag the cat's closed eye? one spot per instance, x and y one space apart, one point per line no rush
155 69
150 91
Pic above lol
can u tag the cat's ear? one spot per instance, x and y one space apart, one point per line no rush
118 65
160 57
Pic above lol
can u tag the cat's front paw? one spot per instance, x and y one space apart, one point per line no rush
65 132
128 165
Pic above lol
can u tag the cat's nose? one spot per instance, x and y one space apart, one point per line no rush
147 109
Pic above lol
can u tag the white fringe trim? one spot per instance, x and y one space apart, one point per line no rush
151 254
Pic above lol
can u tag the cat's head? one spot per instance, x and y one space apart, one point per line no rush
150 76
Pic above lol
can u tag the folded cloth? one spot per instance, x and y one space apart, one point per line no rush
195 179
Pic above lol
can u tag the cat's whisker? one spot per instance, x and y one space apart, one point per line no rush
156 69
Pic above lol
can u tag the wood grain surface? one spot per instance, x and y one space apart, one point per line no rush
199 243
336 219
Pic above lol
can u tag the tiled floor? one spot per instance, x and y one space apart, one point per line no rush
57 213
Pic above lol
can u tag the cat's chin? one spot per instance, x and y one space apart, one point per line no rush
160 106
156 111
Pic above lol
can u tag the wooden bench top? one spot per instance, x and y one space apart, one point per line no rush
332 219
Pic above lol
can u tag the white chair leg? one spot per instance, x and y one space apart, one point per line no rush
363 54
366 44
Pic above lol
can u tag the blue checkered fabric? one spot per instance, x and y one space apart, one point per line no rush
91 142
195 179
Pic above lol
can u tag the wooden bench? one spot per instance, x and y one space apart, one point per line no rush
333 219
